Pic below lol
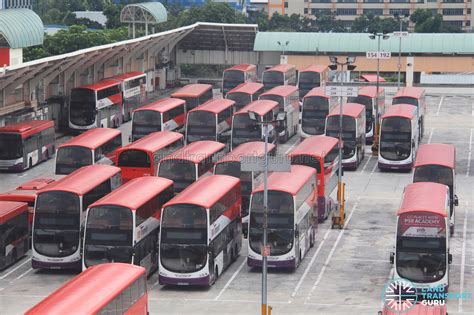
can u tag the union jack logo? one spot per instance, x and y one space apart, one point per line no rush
400 295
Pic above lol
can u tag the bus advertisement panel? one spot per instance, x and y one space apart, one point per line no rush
201 232
25 144
167 114
96 105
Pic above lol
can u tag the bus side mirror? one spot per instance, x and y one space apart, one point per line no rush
392 257
456 200
450 258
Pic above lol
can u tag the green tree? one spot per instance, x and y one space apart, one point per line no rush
112 12
427 22
370 24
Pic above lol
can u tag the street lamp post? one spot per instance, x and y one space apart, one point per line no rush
283 47
265 251
334 65
375 145
400 19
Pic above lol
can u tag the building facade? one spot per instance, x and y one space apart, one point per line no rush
455 12
16 4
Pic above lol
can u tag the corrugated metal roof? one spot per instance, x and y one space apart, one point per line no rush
155 9
415 43
21 28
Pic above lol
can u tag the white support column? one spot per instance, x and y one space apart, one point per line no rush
409 70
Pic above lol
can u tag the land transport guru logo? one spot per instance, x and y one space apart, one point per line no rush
400 295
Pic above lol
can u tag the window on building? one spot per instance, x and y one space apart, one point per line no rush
453 11
346 12
286 4
305 10
399 11
455 23
373 11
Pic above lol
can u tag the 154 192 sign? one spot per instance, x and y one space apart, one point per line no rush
378 55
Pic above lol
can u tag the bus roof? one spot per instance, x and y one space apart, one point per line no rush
372 78
348 109
317 91
242 67
135 193
248 88
261 107
253 148
289 182
315 68
90 290
106 83
316 146
281 68
424 197
370 91
436 154
28 128
26 192
282 90
162 105
92 138
418 309
206 191
127 75
196 151
83 180
414 92
214 106
400 110
152 142
10 209
191 90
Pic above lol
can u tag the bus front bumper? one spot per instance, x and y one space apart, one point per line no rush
185 281
15 165
35 264
386 166
251 262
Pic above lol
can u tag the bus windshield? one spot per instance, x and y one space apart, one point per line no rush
309 80
272 79
405 100
146 122
306 160
348 133
363 100
71 158
395 142
191 102
421 259
434 173
56 224
233 169
232 78
108 235
240 99
183 245
315 110
245 130
134 158
280 222
82 107
201 126
271 97
181 172
11 146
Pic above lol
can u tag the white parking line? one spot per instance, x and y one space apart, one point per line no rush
333 249
231 279
440 103
431 135
470 154
463 260
292 146
22 275
366 163
373 169
313 259
14 269
337 305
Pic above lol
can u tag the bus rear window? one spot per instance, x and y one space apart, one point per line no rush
71 158
306 160
279 99
273 77
434 173
405 100
310 78
240 99
134 158
191 102
182 172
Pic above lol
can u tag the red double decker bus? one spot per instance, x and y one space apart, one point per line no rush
96 105
194 94
311 77
14 232
187 164
320 153
237 75
314 110
245 94
95 146
113 288
167 114
141 158
133 86
413 96
123 226
210 121
25 144
282 74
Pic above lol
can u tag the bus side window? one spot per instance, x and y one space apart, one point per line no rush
224 115
206 96
31 144
175 112
95 194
